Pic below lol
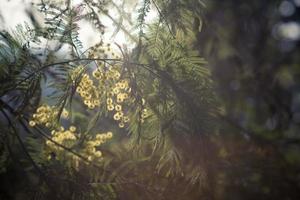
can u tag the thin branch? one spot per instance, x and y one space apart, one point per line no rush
114 21
36 167
163 17
58 63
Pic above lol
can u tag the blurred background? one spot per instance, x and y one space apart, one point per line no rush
253 51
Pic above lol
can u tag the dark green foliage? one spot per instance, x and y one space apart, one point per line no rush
168 73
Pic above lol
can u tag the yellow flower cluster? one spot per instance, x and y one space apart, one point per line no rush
111 88
75 73
91 151
46 115
102 50
88 92
117 94
68 138
114 91
64 137
106 77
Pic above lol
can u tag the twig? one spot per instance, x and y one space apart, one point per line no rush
36 167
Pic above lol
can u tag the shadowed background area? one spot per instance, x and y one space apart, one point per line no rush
253 49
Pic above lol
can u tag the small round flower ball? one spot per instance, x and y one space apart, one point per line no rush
72 128
109 135
32 123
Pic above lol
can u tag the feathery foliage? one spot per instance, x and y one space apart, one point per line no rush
169 103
